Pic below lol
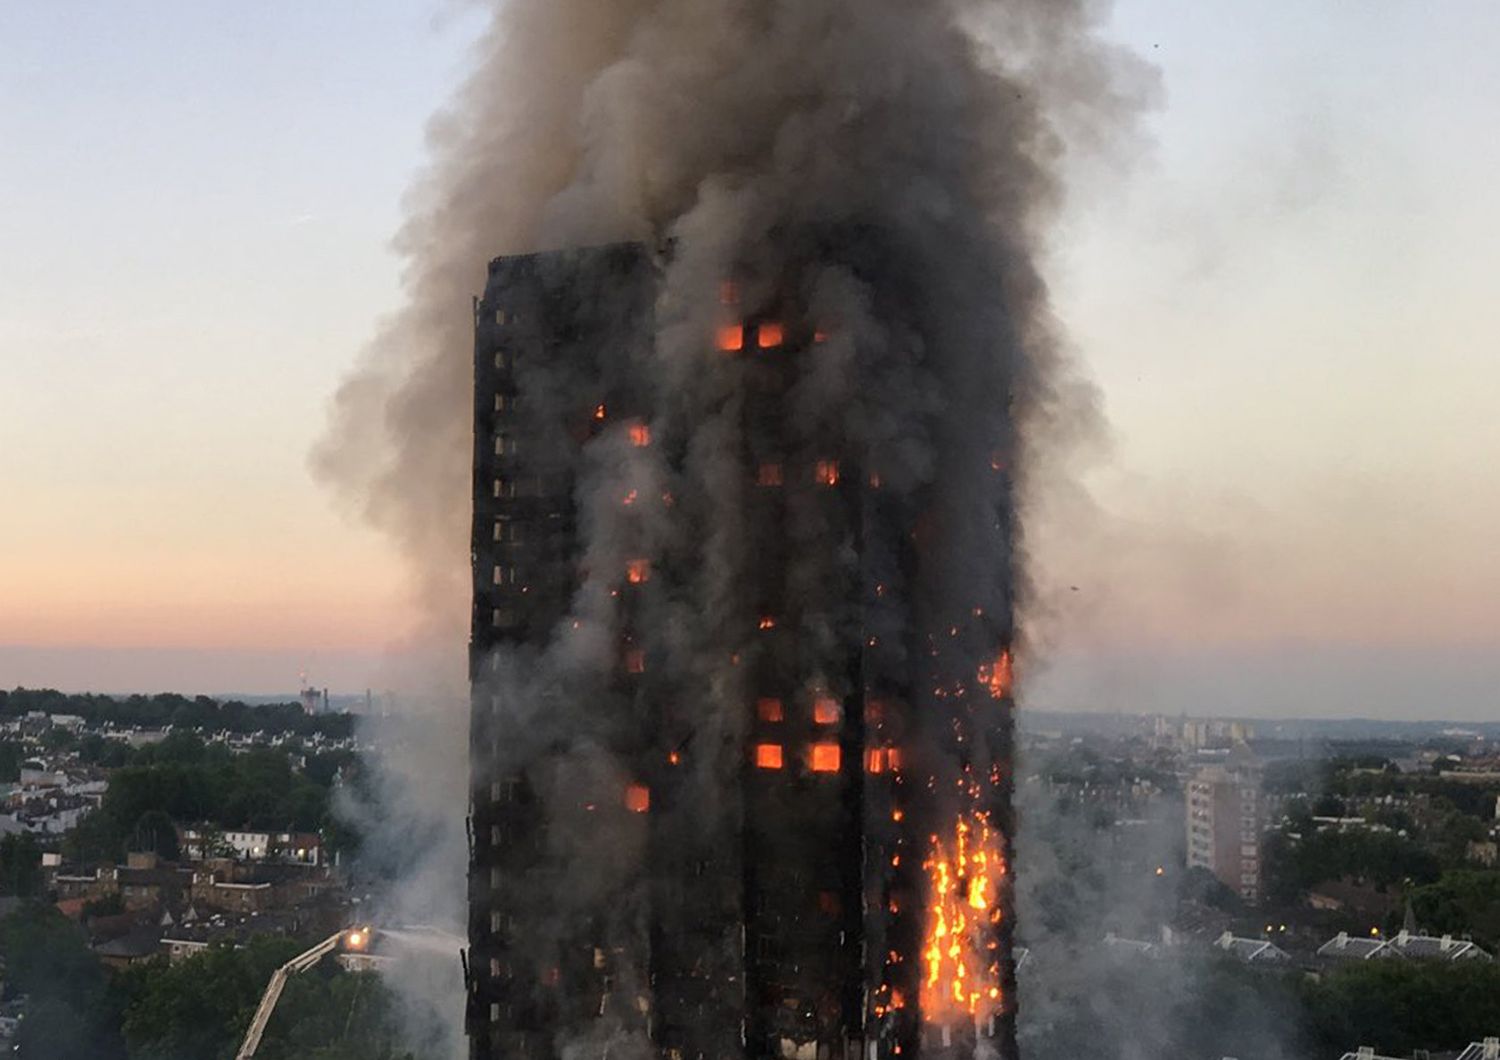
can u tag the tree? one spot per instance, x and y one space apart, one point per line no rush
1400 1006
20 865
201 1006
1328 805
156 834
12 754
70 1016
1461 902
94 749
57 739
96 838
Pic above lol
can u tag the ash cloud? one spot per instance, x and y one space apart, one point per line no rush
726 129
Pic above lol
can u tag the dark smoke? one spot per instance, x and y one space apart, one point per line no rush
735 131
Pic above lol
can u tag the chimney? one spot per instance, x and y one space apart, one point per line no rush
1446 943
1492 1049
1341 939
1366 1052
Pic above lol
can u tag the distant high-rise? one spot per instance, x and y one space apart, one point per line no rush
732 828
1224 827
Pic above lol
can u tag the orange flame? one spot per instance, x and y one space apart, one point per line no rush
825 758
732 337
964 870
997 676
768 709
768 755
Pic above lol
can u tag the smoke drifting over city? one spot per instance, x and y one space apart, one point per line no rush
865 183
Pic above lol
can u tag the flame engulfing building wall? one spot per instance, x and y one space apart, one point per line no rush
740 663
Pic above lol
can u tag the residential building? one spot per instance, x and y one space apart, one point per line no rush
1224 825
769 773
1251 951
1347 947
1444 948
1404 945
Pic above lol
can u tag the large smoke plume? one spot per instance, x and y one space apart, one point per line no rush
729 130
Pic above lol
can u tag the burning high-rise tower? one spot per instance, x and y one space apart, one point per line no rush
744 537
740 662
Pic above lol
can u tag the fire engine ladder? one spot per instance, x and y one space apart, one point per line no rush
300 963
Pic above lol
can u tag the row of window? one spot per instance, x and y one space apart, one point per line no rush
511 487
769 335
825 758
821 757
826 710
824 473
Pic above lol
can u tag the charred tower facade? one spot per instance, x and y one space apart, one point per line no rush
741 706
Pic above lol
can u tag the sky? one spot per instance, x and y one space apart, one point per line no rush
1281 285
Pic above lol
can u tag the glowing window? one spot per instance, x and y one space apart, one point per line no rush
767 622
769 709
769 335
875 760
826 710
732 337
820 336
640 435
768 755
893 759
638 571
825 758
826 472
768 475
637 798
635 661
